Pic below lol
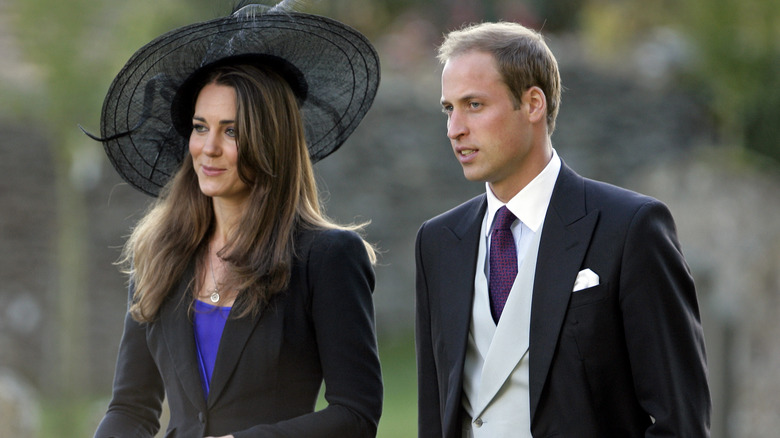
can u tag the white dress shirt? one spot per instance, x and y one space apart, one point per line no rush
529 206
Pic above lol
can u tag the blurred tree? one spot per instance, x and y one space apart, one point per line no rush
51 34
77 46
558 16
738 59
734 61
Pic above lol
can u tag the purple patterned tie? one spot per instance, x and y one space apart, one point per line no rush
503 261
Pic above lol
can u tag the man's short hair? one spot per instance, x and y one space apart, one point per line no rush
522 57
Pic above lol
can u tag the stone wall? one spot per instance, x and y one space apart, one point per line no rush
728 217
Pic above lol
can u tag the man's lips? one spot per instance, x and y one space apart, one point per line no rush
465 154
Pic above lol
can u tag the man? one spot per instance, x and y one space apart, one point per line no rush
575 318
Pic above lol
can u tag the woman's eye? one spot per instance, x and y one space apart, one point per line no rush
231 132
197 127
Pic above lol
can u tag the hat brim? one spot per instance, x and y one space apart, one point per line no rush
340 68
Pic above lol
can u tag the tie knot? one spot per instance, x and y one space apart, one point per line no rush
504 219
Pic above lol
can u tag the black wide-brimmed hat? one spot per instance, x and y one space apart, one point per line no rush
146 117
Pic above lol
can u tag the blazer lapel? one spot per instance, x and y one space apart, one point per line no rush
239 332
234 339
180 340
566 235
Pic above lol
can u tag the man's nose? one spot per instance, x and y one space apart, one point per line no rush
455 126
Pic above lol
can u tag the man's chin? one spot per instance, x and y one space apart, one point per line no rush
473 176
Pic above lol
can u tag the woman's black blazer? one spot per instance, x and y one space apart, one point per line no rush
269 368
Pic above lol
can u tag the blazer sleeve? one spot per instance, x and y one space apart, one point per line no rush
428 406
138 392
341 282
662 327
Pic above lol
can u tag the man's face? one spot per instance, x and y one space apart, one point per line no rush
490 137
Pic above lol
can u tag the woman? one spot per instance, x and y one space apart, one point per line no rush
244 298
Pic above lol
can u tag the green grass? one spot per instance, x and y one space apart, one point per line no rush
69 418
399 417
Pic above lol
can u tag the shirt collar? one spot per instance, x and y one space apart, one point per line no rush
529 205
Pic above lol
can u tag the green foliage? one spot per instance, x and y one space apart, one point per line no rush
558 15
79 45
738 48
50 33
734 62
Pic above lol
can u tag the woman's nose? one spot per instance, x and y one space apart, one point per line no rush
211 147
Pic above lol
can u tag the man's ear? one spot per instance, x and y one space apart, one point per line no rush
537 104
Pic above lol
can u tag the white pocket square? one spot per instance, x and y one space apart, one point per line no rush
585 279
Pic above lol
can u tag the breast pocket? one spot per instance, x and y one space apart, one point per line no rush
588 296
593 322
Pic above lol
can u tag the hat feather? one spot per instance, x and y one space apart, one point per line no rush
287 6
251 8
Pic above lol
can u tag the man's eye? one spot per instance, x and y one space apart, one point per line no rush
475 105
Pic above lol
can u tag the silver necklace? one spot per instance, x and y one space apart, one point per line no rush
215 292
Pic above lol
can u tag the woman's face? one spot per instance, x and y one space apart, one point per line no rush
213 144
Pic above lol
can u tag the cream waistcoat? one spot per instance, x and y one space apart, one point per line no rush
495 373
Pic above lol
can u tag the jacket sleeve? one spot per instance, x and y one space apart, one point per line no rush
138 393
341 282
428 407
662 327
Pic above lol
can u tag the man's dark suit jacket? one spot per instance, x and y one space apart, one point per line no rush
269 368
622 359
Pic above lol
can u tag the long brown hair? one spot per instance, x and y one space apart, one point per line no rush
273 161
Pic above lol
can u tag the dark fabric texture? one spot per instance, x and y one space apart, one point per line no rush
270 368
623 359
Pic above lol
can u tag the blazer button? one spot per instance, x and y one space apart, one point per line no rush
478 422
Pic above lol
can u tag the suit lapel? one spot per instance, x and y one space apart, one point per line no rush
460 242
180 340
566 235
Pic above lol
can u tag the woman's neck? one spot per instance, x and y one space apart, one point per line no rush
226 216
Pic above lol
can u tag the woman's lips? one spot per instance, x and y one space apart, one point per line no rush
212 171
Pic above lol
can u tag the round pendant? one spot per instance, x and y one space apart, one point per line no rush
214 297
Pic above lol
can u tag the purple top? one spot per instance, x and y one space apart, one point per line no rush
209 322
